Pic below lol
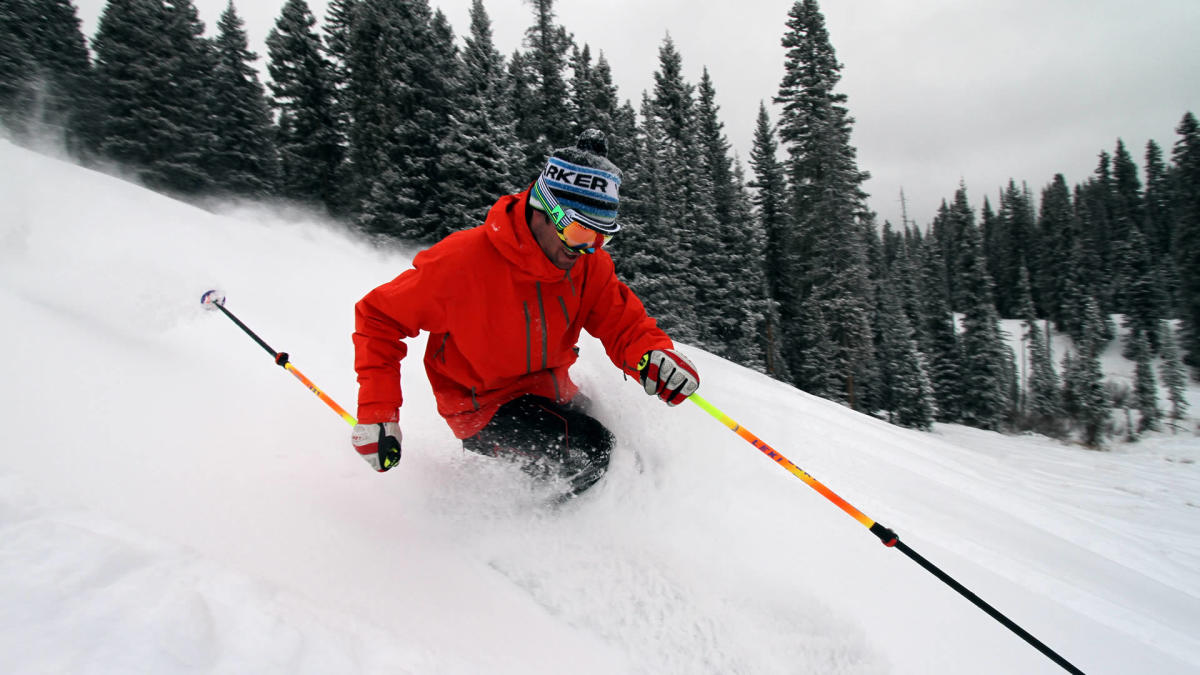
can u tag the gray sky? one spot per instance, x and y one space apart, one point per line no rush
942 91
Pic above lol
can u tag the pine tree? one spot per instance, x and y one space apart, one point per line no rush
658 255
1015 244
1186 184
826 257
481 147
986 360
1145 299
813 343
1084 398
1096 203
732 286
302 92
941 344
769 201
1058 232
1043 409
549 45
1145 389
597 104
45 73
400 102
1171 372
904 388
339 17
244 161
18 70
155 93
1159 221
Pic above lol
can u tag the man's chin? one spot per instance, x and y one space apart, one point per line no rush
566 258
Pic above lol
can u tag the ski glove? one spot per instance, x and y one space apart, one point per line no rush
669 375
378 444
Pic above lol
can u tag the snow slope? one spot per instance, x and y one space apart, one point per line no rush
172 502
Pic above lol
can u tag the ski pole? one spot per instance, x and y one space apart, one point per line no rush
214 299
886 535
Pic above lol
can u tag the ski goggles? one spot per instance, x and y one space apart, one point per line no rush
576 231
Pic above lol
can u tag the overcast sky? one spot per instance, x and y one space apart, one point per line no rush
942 91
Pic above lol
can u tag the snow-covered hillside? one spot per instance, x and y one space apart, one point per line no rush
171 501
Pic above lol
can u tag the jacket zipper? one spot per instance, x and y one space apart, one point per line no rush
545 328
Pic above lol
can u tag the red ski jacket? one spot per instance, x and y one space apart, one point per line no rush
503 321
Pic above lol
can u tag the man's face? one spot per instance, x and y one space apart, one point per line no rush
554 248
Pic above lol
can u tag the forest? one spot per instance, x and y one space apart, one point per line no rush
384 119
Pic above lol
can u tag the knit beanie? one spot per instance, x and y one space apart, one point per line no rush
583 178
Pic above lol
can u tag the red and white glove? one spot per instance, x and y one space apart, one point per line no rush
669 375
378 444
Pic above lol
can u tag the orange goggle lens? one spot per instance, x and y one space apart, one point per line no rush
580 237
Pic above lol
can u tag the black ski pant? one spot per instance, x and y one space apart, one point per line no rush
548 439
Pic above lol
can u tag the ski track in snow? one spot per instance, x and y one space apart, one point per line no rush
171 502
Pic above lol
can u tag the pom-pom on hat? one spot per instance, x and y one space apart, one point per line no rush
583 178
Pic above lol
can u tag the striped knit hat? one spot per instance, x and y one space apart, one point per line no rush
583 178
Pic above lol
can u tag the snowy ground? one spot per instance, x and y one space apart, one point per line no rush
172 502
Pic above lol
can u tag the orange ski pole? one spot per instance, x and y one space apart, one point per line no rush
887 536
215 300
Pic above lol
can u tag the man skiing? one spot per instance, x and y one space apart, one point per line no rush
504 304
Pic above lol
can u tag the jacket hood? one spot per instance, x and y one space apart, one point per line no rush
508 231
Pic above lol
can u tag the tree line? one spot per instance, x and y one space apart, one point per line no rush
382 118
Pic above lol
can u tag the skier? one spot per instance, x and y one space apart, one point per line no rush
504 304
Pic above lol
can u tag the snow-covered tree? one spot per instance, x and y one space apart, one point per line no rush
302 92
826 259
1171 372
769 199
986 361
244 161
1145 388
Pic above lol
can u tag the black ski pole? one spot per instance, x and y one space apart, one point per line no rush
215 300
886 535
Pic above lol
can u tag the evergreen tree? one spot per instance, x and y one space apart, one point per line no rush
733 298
598 106
302 92
154 88
826 257
339 17
1157 201
745 244
658 256
1043 409
769 202
1186 184
18 70
1015 244
1084 399
244 161
1145 299
45 73
986 360
400 102
940 336
904 388
1058 232
950 228
812 340
481 147
549 45
1172 374
1096 202
1145 389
